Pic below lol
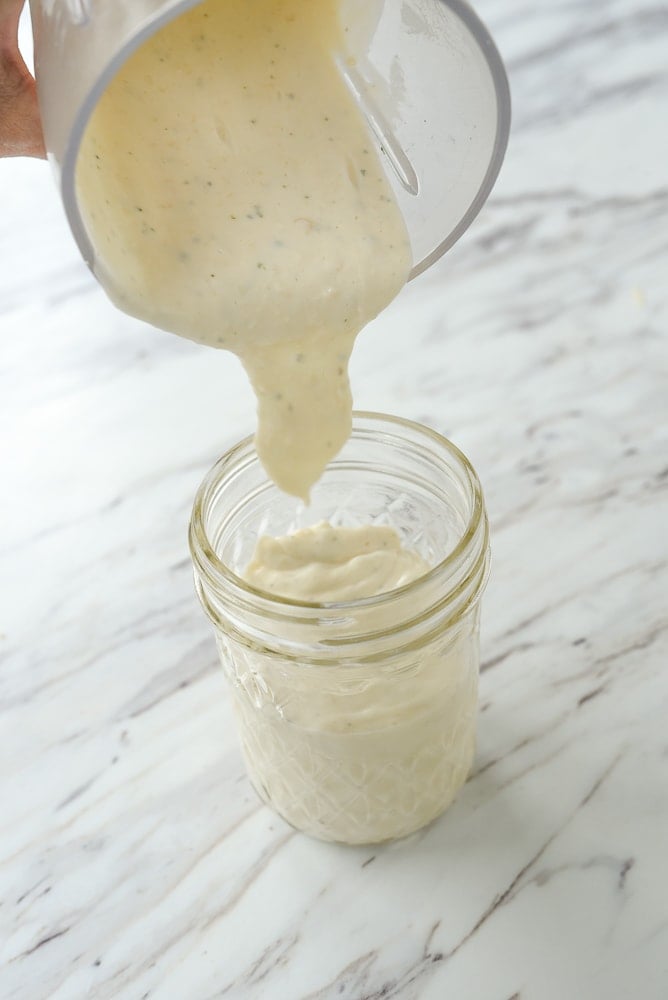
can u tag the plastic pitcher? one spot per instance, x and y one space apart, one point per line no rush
428 78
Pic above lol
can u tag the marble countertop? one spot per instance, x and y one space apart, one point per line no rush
135 860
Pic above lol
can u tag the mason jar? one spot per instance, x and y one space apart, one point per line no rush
356 719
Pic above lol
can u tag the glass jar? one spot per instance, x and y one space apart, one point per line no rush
357 719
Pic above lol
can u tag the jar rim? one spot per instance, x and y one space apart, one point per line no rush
206 559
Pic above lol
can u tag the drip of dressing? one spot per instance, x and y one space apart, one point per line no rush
233 195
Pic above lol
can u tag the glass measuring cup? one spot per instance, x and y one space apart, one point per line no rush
426 74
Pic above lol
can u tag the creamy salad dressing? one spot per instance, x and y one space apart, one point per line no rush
355 753
229 186
233 195
327 564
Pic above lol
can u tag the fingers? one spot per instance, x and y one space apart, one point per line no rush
20 123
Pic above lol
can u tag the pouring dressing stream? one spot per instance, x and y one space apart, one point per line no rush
229 183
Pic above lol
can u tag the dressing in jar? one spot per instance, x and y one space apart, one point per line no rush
356 717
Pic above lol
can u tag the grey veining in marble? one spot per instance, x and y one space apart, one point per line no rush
135 861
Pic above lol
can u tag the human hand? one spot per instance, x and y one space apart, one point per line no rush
20 123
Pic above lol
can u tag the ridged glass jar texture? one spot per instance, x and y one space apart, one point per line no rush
357 720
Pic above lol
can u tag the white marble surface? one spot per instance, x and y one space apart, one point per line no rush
135 861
